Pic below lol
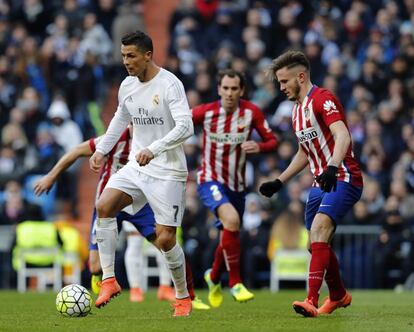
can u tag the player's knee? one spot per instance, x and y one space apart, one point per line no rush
231 223
321 233
104 210
166 239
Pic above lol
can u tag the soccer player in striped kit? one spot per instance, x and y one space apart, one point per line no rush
227 127
325 145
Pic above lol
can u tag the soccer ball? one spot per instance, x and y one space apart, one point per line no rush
74 301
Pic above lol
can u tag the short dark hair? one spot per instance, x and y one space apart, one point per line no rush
141 40
288 59
231 73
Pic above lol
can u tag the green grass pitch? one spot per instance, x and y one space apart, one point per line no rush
370 311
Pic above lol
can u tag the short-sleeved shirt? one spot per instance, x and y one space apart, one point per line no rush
311 121
223 159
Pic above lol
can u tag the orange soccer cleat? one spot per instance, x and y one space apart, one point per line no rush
305 308
182 307
109 289
136 295
166 293
330 306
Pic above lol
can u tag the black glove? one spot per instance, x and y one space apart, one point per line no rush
269 188
327 180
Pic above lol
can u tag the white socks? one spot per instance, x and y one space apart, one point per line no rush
133 260
107 237
176 264
163 270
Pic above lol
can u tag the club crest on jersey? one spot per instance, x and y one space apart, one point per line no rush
330 107
241 123
156 100
307 113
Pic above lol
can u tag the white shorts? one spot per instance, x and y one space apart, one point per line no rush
166 197
128 227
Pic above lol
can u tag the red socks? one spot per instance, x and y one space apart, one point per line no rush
228 251
189 279
333 279
230 243
318 265
218 265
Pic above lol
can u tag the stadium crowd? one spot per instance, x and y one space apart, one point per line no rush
54 79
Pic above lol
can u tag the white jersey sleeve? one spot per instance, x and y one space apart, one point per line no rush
181 114
118 123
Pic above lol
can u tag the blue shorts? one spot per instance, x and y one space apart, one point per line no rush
213 194
334 204
143 220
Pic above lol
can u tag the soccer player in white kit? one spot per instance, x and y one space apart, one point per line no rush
154 100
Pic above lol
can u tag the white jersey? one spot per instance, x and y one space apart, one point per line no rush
161 121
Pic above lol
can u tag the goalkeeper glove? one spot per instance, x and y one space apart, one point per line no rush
327 180
269 188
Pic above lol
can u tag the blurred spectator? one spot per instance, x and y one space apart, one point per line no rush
94 39
288 232
254 236
105 12
10 165
15 208
129 18
393 254
29 103
373 198
35 16
360 215
62 128
44 154
74 13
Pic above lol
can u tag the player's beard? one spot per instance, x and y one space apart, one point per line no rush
295 93
141 75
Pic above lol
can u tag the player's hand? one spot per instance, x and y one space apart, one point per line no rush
96 161
144 156
327 180
250 147
43 185
270 188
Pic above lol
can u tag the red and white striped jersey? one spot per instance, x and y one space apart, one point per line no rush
223 159
116 159
311 121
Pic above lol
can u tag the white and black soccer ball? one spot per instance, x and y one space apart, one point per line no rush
74 301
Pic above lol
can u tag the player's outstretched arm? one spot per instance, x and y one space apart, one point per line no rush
47 181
